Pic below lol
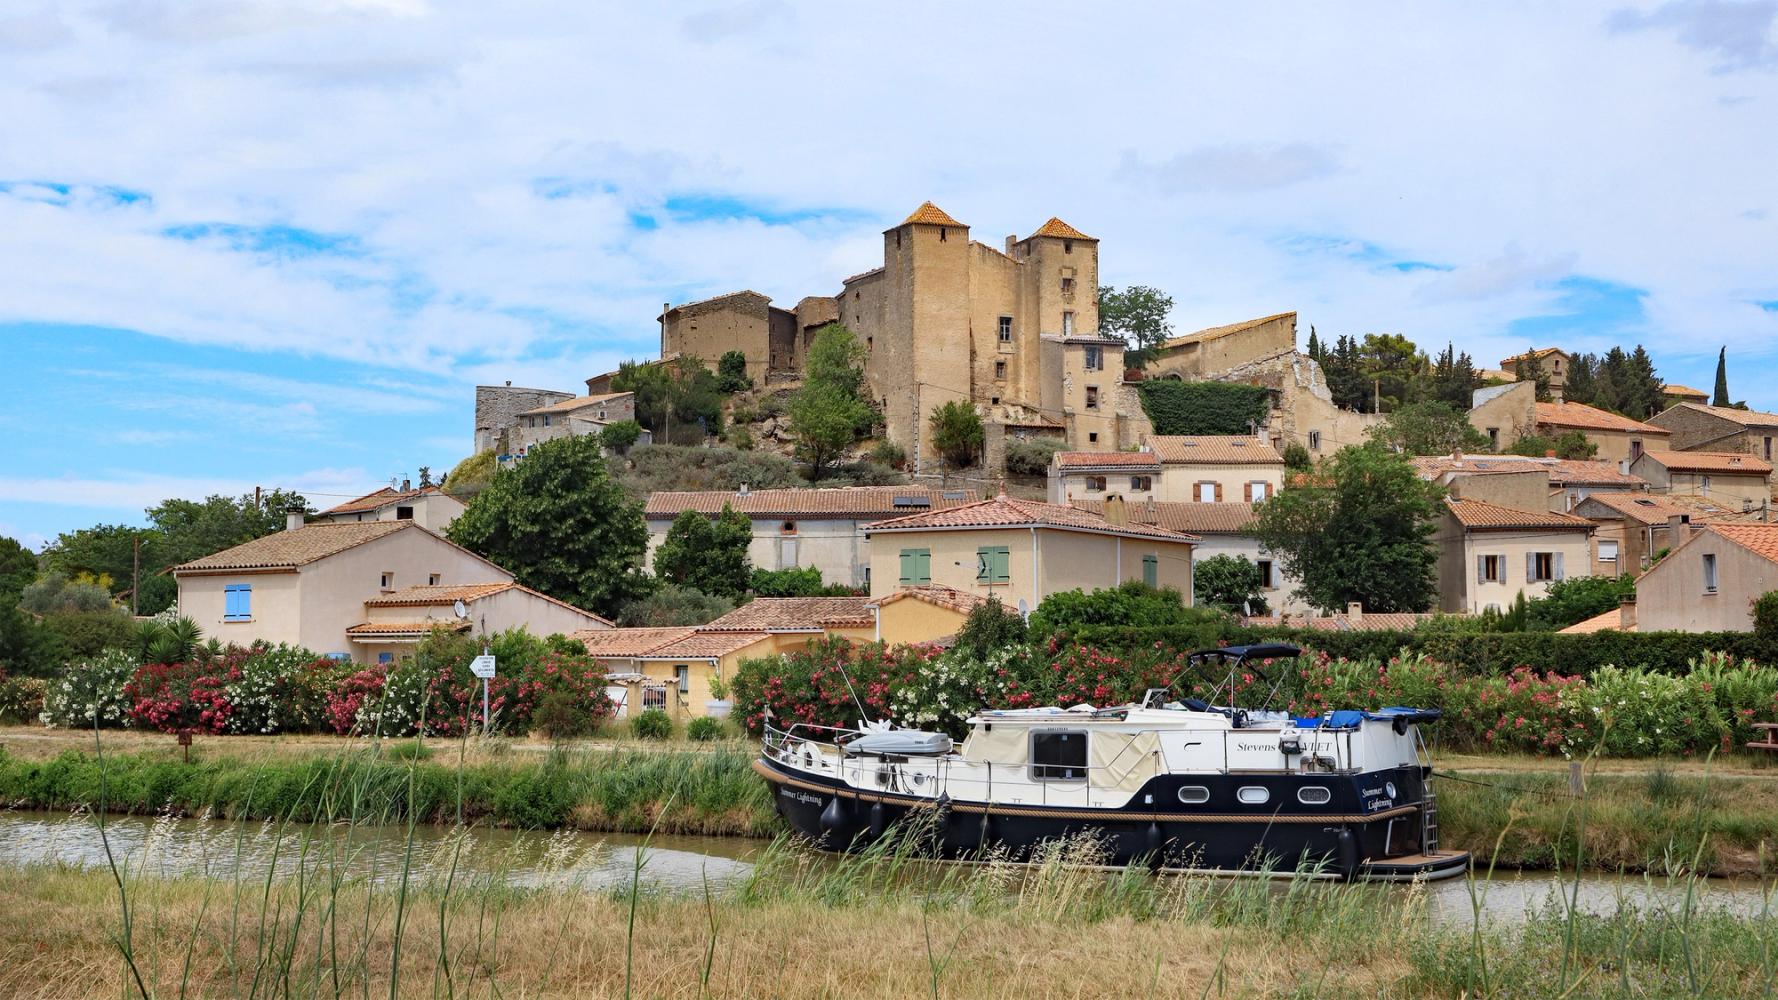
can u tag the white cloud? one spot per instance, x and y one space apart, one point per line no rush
1742 33
1236 168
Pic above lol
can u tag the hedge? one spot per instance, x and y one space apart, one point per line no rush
1203 407
1474 653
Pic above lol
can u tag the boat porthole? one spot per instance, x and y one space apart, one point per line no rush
1253 795
1389 786
1194 794
1313 795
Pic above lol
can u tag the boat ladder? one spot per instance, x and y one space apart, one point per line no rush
1429 821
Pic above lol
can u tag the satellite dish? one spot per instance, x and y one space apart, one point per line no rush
1024 609
462 612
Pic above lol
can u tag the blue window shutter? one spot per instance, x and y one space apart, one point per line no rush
237 601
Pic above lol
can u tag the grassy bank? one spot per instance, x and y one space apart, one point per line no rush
1658 821
802 927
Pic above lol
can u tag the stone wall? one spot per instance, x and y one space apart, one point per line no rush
497 408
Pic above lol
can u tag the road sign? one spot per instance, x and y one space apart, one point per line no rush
482 666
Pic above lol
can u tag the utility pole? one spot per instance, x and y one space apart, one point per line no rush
256 501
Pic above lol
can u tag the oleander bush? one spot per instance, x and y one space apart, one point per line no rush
21 699
91 692
651 724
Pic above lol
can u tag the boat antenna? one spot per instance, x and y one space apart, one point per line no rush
863 716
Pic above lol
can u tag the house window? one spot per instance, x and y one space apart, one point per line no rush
1493 439
1635 450
433 579
1095 359
404 513
1067 286
787 552
1000 369
1068 324
1095 484
992 564
1141 482
1209 492
682 676
1542 567
993 400
1067 246
1256 490
1006 329
546 420
1709 572
1490 569
1151 571
1092 437
1314 440
916 567
1768 449
1059 755
1704 483
384 659
387 581
1092 397
237 602
943 234
1265 574
601 414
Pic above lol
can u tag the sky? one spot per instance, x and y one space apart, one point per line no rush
278 242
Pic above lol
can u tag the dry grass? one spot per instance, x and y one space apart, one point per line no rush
55 928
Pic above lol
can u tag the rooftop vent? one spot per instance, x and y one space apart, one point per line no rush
956 495
912 501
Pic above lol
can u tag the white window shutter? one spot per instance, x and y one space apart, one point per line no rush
1558 565
1530 566
1481 569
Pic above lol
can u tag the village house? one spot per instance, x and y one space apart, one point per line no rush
1630 528
309 585
1222 529
1354 619
1095 475
1564 482
1617 438
568 418
395 622
1553 360
1673 394
1489 554
746 321
497 409
1021 551
428 506
819 528
1203 469
1696 427
1708 583
1732 478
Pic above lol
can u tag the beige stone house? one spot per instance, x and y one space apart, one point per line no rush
1554 362
574 417
744 321
1673 394
1504 413
1631 528
1696 427
1210 352
1732 478
1222 529
819 528
428 506
1095 475
310 584
1618 438
1565 482
1708 583
394 623
1023 551
1489 554
1216 469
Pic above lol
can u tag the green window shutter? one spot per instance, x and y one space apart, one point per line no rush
923 565
908 560
1002 565
1151 571
984 565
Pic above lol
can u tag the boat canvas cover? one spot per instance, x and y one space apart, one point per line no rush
1350 718
906 742
1120 760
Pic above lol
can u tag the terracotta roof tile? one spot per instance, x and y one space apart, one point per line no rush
774 613
944 597
1710 510
1006 512
1584 417
1760 539
623 643
1710 461
405 628
443 595
1541 352
1108 460
578 402
929 214
1643 508
380 499
1562 471
291 549
1056 227
1207 449
1379 620
842 501
1484 516
1746 418
1213 332
1192 518
701 645
1607 621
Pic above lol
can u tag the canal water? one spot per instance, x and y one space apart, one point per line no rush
223 849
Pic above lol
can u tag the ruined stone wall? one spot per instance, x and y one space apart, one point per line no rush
712 328
497 408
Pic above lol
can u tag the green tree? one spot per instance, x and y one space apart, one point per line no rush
101 551
1582 382
1314 349
707 554
673 605
731 373
1569 444
827 413
1346 381
1138 315
1721 396
620 436
1297 458
18 567
796 581
1393 368
472 475
193 528
990 626
1230 583
1361 532
957 433
559 524
653 387
1429 428
697 397
1529 368
1640 389
1454 379
1575 600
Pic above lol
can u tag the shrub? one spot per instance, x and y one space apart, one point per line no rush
535 799
651 724
889 453
1765 620
731 373
21 698
1576 600
89 633
180 698
1204 407
408 750
802 581
91 689
621 436
1031 456
279 689
55 592
1297 458
1129 603
990 626
569 693
704 729
656 467
561 715
674 605
738 437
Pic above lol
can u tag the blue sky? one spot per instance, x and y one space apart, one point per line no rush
278 242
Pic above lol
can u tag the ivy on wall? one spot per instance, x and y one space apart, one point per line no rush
1203 407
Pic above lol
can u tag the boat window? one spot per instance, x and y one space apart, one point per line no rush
1313 795
1194 794
1059 755
1253 795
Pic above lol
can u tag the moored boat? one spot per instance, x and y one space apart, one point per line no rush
1178 785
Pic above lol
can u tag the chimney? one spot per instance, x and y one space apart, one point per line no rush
1115 511
1626 613
743 490
509 383
1679 528
1011 241
1354 612
1549 453
407 485
293 517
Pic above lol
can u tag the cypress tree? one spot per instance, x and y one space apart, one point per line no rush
1722 379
